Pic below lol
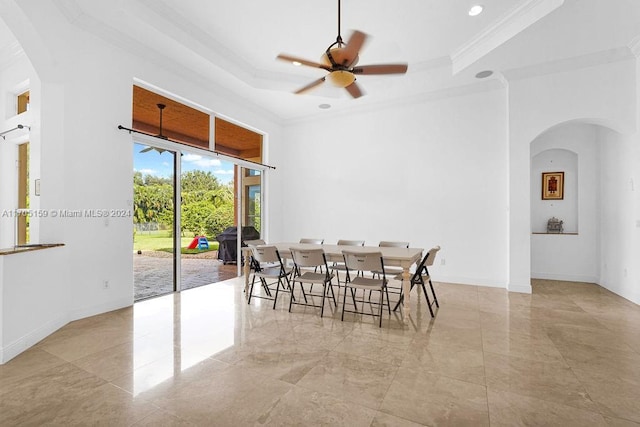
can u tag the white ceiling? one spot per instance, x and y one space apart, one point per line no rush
234 43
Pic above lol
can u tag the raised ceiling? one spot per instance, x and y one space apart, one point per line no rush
233 44
184 124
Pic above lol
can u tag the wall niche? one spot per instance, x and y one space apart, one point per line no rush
565 209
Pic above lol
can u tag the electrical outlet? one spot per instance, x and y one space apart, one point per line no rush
105 284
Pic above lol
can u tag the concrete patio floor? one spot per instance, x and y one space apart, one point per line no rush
153 272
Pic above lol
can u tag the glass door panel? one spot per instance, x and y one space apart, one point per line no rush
207 210
154 252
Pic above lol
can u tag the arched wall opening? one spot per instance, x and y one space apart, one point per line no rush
574 148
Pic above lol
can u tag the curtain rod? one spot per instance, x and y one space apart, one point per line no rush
217 153
2 134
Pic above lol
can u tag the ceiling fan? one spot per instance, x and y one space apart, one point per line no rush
340 61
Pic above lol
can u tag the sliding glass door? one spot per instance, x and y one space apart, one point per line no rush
154 220
207 210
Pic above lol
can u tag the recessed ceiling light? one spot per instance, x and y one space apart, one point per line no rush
476 10
484 74
324 106
296 63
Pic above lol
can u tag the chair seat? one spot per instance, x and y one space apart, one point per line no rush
312 277
366 283
271 272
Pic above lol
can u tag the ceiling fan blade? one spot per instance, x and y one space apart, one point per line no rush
310 85
147 149
355 43
290 58
354 90
381 69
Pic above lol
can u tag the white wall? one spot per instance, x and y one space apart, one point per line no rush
574 149
620 211
431 173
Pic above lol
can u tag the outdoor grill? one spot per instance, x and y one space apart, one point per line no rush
228 242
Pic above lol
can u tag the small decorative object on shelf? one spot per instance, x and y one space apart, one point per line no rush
554 225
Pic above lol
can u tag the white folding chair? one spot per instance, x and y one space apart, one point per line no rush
304 261
361 262
271 273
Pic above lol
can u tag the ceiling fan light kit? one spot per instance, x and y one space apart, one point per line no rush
340 61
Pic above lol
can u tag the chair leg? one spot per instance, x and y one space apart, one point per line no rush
381 302
293 286
353 297
333 295
433 292
386 290
251 289
324 295
275 300
344 300
426 296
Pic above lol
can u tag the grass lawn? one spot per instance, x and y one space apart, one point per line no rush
161 240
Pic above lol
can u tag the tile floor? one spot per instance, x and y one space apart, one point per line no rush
569 354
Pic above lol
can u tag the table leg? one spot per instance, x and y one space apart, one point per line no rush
406 294
247 270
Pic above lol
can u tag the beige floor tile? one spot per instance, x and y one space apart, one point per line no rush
360 380
467 365
300 406
160 418
509 409
26 364
536 346
617 422
553 381
286 364
46 394
596 337
123 359
385 420
432 399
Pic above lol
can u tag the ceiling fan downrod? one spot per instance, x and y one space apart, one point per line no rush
161 107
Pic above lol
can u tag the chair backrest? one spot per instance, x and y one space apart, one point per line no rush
427 261
351 242
363 261
266 254
431 255
389 244
308 257
255 242
313 241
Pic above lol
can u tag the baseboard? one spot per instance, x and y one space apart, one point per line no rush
523 288
83 312
30 339
469 281
564 277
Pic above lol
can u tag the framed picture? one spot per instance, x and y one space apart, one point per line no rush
552 185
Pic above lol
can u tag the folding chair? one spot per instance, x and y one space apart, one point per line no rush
361 262
271 272
421 277
304 260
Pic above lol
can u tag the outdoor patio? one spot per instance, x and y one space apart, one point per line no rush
152 271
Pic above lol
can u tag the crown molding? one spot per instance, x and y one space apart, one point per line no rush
569 64
506 27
